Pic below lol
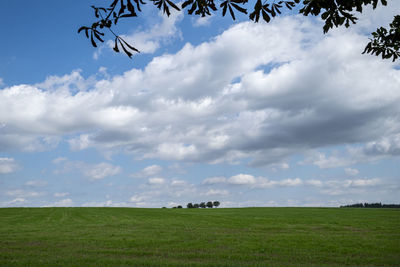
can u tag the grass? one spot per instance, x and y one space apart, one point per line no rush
199 237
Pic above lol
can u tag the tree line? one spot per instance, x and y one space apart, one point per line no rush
371 205
203 205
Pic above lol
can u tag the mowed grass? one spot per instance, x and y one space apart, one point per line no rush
203 237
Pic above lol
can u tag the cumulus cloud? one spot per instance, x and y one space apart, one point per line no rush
94 172
59 160
347 186
260 93
16 202
383 147
351 172
156 181
242 179
148 171
216 192
101 170
36 183
24 194
148 41
316 183
202 21
61 194
7 165
107 203
251 181
214 180
66 202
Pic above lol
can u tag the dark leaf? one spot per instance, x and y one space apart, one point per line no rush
173 5
81 28
231 11
116 45
225 7
129 54
128 45
265 15
186 3
97 35
92 40
241 9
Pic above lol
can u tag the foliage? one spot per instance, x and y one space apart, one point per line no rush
216 203
371 205
386 42
202 205
209 204
189 205
333 13
207 237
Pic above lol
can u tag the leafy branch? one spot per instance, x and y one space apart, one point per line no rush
334 13
386 42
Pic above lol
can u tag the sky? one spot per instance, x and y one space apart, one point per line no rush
249 114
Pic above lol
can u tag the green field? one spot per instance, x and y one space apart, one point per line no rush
213 237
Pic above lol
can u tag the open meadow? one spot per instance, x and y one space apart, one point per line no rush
190 237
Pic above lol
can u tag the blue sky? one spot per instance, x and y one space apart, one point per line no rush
248 114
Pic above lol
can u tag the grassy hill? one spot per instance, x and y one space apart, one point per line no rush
190 237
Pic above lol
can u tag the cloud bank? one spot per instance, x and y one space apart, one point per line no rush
259 92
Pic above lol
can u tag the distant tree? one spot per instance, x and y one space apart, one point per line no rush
216 203
164 207
371 205
179 207
189 205
209 204
202 205
196 206
334 13
174 207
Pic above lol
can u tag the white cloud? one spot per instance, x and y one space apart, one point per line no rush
347 186
291 182
59 160
61 194
7 165
36 183
253 182
24 194
266 183
214 180
67 202
178 183
322 161
1 82
148 41
351 172
13 203
137 198
148 171
316 183
242 179
363 182
156 181
216 192
107 203
202 21
101 170
96 171
250 93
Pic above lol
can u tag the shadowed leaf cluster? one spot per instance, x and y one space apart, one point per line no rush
334 13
